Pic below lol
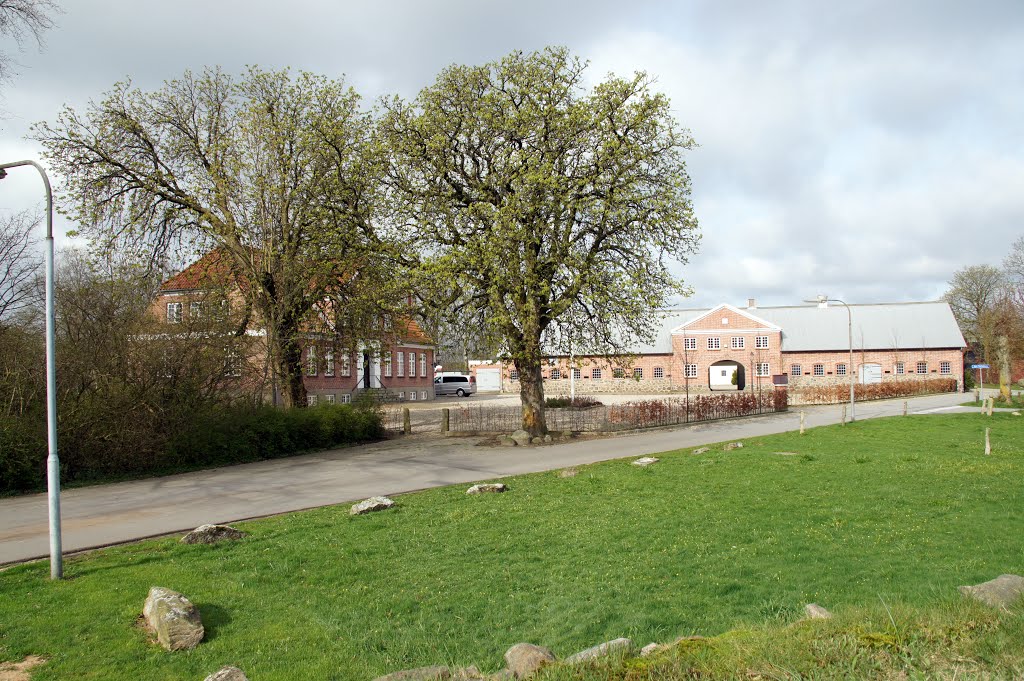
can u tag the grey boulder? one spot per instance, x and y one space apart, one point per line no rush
645 461
371 505
491 487
521 438
227 674
211 534
173 618
999 592
523 659
438 673
813 611
620 646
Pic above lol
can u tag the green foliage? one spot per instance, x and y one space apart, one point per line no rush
538 202
734 544
840 392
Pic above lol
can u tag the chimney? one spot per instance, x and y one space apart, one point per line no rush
751 304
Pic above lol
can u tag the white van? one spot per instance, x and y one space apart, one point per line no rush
454 384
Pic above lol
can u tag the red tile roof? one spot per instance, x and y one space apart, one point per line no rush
213 269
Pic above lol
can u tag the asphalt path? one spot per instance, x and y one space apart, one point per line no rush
120 512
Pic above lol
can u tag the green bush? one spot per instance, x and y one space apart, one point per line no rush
22 454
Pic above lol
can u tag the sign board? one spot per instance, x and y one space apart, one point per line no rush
780 379
980 366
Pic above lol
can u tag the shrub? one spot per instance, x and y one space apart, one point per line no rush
833 394
578 402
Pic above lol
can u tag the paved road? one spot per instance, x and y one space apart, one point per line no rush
120 512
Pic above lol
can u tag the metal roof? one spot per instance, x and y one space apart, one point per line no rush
880 326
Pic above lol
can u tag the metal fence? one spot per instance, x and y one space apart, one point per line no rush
625 416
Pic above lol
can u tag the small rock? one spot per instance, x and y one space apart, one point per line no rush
566 433
173 618
370 505
732 445
470 673
547 439
521 438
1015 413
813 611
438 673
568 473
211 534
537 440
998 592
524 659
620 646
506 441
650 649
227 674
488 487
645 461
702 450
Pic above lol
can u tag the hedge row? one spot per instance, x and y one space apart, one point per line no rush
833 394
218 437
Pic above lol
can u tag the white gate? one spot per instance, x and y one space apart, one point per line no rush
488 380
870 373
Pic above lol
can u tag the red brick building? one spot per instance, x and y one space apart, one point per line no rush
731 348
401 369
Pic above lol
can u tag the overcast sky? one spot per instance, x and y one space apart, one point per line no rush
866 149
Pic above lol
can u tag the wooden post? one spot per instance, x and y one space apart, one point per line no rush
801 423
988 443
904 407
844 414
444 421
406 421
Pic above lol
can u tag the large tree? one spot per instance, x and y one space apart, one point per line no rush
535 201
19 264
276 171
974 295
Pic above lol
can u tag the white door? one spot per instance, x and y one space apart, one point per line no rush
870 373
488 380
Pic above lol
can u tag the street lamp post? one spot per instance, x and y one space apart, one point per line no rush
52 462
823 301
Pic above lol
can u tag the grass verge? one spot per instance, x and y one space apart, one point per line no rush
728 545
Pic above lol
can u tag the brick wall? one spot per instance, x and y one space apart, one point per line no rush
888 360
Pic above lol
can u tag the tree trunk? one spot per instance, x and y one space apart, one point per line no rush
286 361
1004 366
531 388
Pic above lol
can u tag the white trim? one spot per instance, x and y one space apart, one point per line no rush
725 306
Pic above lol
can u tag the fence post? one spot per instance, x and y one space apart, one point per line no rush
406 421
904 407
801 422
444 421
988 444
844 414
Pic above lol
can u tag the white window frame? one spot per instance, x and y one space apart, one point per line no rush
638 373
401 364
901 368
945 368
690 370
714 343
311 367
556 375
918 367
346 399
423 394
761 369
401 395
576 373
796 370
618 372
423 364
387 365
412 395
329 365
841 369
195 309
346 365
331 399
513 374
595 374
174 313
761 342
658 372
818 370
412 365
690 343
737 343
311 400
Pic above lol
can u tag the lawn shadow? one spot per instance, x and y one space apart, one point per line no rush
214 617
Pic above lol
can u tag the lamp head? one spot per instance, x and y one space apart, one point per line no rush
3 173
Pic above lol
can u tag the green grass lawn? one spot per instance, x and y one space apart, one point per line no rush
875 517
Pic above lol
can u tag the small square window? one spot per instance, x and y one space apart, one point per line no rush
513 375
900 368
556 374
796 370
819 370
922 367
412 395
401 395
737 343
346 399
761 342
691 371
619 373
840 370
762 369
311 400
690 343
595 374
638 372
330 398
659 372
945 368
714 343
576 373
